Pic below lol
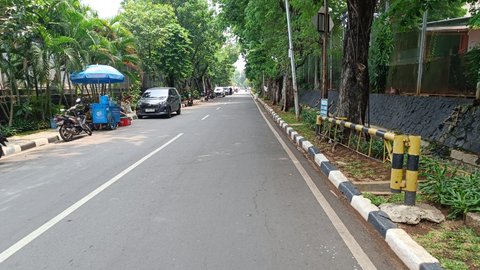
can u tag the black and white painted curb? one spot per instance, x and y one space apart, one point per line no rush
11 149
410 252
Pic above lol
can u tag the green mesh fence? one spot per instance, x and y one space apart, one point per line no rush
446 70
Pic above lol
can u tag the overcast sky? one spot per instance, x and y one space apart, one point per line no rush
105 8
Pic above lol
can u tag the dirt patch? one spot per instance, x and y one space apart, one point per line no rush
355 166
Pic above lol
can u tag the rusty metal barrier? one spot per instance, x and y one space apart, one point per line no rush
394 146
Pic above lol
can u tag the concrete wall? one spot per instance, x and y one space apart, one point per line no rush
454 122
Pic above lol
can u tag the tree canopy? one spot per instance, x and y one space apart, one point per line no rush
193 45
261 28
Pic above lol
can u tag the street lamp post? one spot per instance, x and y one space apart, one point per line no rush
292 62
324 51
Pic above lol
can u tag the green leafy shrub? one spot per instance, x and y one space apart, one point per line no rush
22 125
377 148
446 186
196 94
472 59
8 131
57 109
309 117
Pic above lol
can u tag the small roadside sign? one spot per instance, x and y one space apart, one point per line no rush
318 22
324 107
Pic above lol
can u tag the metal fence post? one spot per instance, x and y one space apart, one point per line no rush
319 124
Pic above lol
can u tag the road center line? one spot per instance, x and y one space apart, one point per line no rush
40 230
206 116
342 230
219 108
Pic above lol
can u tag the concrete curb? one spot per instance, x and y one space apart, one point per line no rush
13 148
410 252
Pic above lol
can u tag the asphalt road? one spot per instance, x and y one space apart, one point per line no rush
212 188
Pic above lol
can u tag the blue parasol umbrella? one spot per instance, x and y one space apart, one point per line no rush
98 74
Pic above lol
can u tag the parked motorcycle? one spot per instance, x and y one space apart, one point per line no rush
2 142
73 121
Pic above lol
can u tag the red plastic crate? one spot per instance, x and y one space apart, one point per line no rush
125 122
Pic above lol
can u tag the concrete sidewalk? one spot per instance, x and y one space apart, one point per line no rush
17 144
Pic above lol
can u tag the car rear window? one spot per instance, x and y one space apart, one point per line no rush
155 93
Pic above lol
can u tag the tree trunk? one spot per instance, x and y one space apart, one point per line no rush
269 90
273 93
354 85
171 80
316 81
278 90
12 104
289 98
284 91
208 85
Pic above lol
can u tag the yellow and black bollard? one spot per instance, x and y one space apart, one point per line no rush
318 127
411 175
396 177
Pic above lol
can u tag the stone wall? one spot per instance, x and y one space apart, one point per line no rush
454 122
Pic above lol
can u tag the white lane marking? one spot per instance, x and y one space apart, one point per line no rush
29 238
347 238
219 108
206 116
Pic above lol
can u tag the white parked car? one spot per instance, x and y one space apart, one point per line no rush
218 91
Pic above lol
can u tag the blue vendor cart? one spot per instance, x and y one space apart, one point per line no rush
105 114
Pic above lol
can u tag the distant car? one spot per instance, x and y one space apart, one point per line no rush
219 92
159 101
228 91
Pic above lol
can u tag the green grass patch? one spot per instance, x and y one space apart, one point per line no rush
357 169
378 200
455 249
299 126
391 198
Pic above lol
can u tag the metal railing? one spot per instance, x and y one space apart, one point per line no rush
395 146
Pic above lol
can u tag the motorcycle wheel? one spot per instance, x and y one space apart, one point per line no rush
65 134
87 129
112 124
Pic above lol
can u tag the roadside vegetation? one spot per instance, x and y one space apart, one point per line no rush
154 43
454 189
